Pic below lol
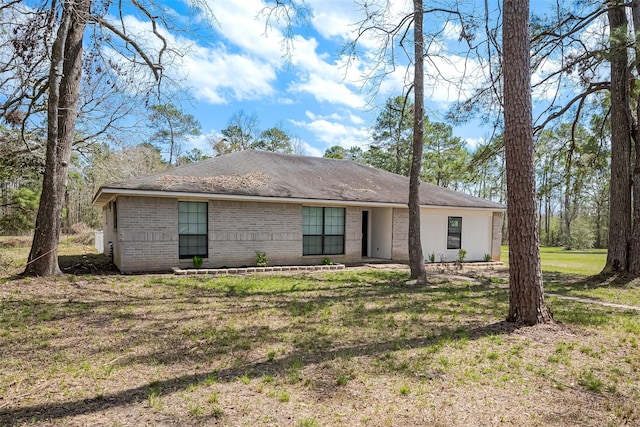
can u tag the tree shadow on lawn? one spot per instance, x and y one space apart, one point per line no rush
565 283
104 307
36 413
303 304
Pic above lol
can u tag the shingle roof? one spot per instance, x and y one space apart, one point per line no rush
265 174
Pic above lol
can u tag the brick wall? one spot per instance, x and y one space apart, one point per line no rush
496 235
238 229
148 234
400 247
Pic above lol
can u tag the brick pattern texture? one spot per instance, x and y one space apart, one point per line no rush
147 235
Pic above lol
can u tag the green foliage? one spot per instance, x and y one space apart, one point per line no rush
192 156
391 147
445 157
284 396
432 257
308 422
274 139
327 261
591 381
337 152
573 174
486 169
261 259
487 257
20 212
462 255
197 261
239 134
342 380
17 165
582 234
171 127
404 390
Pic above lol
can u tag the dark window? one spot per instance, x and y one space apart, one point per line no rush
115 215
192 229
322 231
454 233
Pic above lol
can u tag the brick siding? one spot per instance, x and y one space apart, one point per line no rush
147 234
400 248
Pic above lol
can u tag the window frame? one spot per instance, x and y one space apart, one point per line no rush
455 231
190 236
327 223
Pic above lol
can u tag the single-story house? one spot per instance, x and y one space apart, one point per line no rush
298 210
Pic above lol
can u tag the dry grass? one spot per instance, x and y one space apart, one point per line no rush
355 348
74 249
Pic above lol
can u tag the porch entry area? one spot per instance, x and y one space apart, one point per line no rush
377 233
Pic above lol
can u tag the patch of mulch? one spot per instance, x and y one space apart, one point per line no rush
89 263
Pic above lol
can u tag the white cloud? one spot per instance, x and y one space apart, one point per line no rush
333 133
310 150
356 119
202 142
473 143
250 62
335 19
285 101
247 63
239 23
324 80
452 30
313 116
215 75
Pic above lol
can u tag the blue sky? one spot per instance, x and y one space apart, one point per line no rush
235 63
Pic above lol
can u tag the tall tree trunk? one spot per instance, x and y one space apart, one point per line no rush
620 188
567 196
634 244
416 258
64 89
526 294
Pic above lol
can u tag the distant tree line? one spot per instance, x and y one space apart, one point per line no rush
572 168
106 159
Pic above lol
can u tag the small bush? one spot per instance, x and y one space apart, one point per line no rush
432 257
261 259
197 261
404 390
487 257
327 261
462 254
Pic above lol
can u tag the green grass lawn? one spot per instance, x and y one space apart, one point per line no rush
584 262
572 273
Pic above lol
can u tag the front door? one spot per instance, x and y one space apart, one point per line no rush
365 233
